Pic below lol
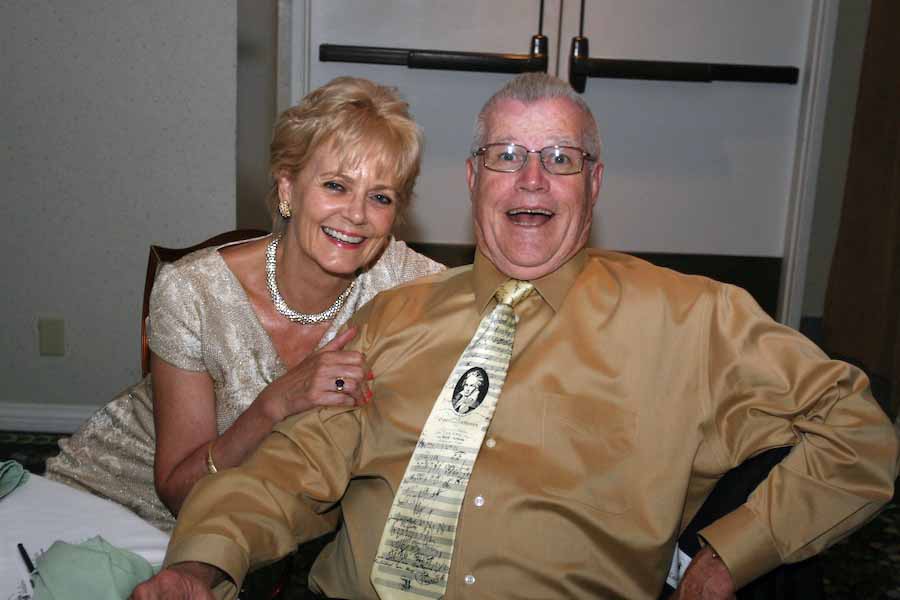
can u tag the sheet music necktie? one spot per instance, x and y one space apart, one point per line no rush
413 558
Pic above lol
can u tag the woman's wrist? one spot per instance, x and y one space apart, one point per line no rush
270 406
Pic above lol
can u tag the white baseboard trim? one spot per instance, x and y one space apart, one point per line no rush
49 418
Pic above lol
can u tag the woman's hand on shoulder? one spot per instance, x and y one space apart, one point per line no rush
330 376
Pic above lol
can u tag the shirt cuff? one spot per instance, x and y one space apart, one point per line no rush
214 550
743 544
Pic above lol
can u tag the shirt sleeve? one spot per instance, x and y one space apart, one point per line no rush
769 386
285 493
176 320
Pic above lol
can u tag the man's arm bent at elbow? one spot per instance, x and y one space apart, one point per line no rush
770 387
256 513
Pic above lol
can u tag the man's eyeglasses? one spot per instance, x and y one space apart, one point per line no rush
509 158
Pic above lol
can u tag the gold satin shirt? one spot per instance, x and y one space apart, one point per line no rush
631 390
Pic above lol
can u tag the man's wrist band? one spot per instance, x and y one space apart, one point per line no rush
210 465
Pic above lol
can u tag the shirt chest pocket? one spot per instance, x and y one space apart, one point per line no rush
588 451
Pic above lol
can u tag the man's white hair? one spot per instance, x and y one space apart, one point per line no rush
529 88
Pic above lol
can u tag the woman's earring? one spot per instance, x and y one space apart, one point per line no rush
284 207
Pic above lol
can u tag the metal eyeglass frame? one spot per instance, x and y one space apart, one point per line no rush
585 156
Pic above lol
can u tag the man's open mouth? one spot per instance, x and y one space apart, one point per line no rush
529 217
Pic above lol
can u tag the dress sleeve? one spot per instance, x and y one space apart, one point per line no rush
283 494
176 322
407 264
769 386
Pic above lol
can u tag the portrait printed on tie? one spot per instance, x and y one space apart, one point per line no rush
470 390
530 222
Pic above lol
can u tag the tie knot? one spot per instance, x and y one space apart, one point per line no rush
513 291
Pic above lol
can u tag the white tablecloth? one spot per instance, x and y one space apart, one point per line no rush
43 511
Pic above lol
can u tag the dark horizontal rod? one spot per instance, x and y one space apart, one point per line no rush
682 71
434 59
475 61
363 54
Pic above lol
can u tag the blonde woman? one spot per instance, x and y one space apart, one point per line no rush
244 335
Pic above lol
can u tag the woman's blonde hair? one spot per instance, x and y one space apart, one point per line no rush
359 119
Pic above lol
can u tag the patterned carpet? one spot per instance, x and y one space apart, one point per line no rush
30 449
865 566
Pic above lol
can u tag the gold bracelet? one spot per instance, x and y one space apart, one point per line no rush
210 465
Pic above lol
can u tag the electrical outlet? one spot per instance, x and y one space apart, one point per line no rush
51 337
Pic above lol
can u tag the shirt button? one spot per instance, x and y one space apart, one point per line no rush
490 442
479 500
469 579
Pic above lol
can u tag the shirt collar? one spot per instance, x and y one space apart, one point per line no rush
552 287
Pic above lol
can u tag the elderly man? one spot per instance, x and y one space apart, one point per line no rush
628 391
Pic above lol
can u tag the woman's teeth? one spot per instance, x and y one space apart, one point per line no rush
343 237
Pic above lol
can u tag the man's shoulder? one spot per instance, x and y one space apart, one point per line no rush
438 282
639 275
419 294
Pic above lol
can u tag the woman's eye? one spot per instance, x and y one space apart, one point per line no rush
334 185
382 199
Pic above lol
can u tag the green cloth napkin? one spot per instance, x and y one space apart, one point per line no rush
12 475
92 570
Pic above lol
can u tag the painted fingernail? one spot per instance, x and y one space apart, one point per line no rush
370 376
369 395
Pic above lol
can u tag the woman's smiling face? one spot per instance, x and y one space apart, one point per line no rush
341 217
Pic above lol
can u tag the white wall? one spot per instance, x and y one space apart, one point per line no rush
118 131
696 168
690 167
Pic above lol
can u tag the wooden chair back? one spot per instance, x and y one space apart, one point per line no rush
160 255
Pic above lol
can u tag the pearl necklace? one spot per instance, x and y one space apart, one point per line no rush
282 307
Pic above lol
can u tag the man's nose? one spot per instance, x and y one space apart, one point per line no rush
532 176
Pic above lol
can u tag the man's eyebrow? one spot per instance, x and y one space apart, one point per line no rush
563 140
501 140
551 141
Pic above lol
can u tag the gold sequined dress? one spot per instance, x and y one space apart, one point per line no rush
200 320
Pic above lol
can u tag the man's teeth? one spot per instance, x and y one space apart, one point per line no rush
339 235
530 211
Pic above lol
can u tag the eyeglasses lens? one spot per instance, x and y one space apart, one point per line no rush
509 158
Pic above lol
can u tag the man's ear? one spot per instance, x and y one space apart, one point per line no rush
471 174
596 181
